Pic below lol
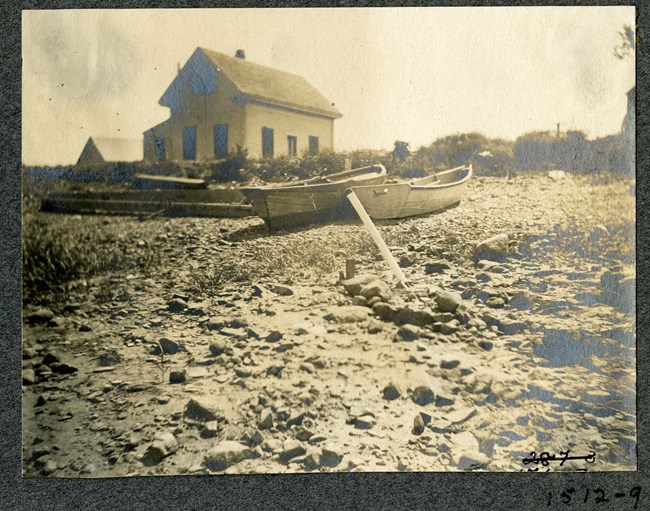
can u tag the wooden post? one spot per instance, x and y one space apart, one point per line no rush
350 268
376 237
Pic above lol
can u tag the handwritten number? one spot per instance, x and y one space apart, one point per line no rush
566 494
634 492
602 495
550 496
586 495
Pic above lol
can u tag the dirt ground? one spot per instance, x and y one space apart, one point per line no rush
278 368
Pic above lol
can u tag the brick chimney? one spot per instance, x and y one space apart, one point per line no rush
240 54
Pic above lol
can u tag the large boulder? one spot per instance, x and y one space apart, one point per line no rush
448 301
353 286
376 288
347 314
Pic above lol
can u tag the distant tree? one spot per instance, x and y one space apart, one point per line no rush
627 46
401 150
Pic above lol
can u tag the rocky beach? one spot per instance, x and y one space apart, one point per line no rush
237 350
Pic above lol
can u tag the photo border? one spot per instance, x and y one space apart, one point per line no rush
428 490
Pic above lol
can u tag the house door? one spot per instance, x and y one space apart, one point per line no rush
267 143
189 142
221 140
160 149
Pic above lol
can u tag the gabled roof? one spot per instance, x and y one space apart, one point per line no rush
118 149
267 84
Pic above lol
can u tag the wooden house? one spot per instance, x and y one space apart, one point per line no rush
218 103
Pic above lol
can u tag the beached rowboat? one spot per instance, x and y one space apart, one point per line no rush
316 200
416 197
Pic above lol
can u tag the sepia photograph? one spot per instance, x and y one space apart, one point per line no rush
260 241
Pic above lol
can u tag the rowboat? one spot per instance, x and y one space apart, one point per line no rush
317 200
416 197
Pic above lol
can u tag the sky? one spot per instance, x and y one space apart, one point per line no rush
413 74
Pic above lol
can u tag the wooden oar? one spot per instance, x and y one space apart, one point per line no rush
376 237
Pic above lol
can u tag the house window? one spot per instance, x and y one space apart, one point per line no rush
267 143
293 145
160 149
313 145
189 142
221 140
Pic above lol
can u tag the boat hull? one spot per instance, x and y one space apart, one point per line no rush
403 200
285 207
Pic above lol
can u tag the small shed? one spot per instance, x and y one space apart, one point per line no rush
107 150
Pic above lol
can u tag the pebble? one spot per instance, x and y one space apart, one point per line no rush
492 249
384 311
422 395
353 286
291 449
409 316
376 288
217 348
164 444
42 315
200 411
168 346
274 336
176 305
266 419
330 456
437 266
408 333
448 301
418 425
210 430
176 377
225 454
29 377
393 391
365 422
281 290
347 314
449 364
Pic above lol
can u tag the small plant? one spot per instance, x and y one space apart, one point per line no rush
161 363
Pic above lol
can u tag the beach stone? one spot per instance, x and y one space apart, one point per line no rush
442 317
422 395
376 288
274 336
374 327
266 419
360 300
225 454
168 346
217 348
353 286
492 249
485 345
384 311
176 305
409 316
450 327
63 368
510 327
330 456
418 425
448 301
50 358
408 333
312 459
393 391
164 443
495 302
280 289
437 266
465 452
29 377
365 422
210 430
42 315
200 411
449 364
521 300
291 449
179 376
347 314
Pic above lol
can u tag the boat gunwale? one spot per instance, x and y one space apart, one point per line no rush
433 186
373 171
